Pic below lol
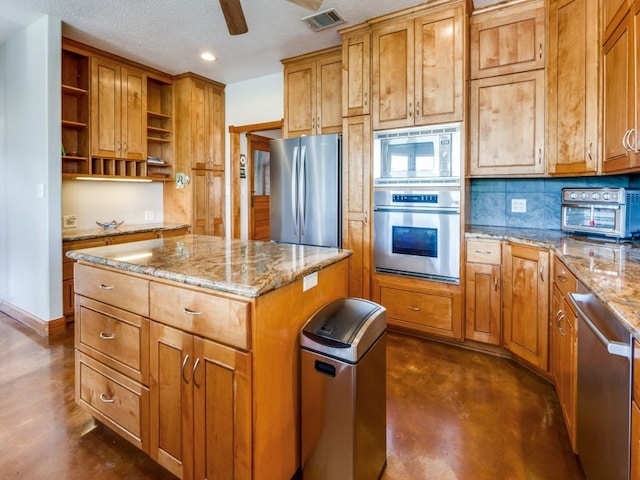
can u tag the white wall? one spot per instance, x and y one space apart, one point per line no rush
107 201
30 179
260 100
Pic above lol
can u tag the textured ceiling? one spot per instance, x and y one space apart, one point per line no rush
171 34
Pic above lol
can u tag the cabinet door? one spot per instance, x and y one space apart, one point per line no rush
572 87
483 303
356 171
356 73
619 96
208 202
507 125
329 95
171 367
439 72
508 40
613 11
222 411
393 77
106 108
199 133
300 99
214 127
134 114
555 340
526 303
569 354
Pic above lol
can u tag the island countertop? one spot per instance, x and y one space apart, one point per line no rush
242 267
610 270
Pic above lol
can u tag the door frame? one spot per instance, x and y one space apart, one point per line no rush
234 168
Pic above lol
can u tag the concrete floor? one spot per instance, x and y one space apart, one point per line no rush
452 414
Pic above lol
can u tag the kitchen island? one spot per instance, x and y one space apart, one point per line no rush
188 348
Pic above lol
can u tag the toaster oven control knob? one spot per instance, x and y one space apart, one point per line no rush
573 195
606 196
584 195
595 196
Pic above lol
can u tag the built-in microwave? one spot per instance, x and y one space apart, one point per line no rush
417 156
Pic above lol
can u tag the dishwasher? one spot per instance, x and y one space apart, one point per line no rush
604 390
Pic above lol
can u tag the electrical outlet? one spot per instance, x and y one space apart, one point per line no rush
69 221
310 281
519 205
148 215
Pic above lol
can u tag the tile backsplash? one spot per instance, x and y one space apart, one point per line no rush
491 199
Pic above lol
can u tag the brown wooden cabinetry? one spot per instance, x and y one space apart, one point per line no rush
564 345
313 93
208 202
526 303
356 229
572 87
483 293
418 67
613 11
506 112
356 71
420 306
159 128
635 413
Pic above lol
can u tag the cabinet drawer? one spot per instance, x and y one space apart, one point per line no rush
217 318
434 311
119 402
133 237
563 278
117 338
484 251
117 289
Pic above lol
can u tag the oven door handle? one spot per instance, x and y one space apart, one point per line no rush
613 347
445 211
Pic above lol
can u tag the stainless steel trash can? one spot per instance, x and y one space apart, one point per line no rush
343 368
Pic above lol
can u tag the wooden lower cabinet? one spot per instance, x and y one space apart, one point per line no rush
420 305
526 303
635 414
200 405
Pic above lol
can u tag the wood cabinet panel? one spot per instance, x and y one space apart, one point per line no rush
356 68
484 251
613 11
483 303
208 202
526 303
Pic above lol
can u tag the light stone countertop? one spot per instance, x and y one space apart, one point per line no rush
124 229
243 267
610 270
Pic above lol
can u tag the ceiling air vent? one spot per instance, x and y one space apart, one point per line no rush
320 21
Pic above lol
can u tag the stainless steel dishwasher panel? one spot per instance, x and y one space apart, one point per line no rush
604 390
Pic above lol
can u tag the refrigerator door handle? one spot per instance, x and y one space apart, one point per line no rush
294 190
301 190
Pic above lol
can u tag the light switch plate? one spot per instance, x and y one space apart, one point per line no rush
310 281
69 221
519 205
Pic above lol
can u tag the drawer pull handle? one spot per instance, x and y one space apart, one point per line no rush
106 287
193 372
186 311
104 398
105 336
561 278
184 365
495 284
484 252
415 309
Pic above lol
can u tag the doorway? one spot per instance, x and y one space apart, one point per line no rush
259 187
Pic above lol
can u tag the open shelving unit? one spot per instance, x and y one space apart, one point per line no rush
75 113
159 129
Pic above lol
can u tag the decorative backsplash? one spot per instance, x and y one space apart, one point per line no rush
491 199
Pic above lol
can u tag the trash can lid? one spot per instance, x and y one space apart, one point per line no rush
338 323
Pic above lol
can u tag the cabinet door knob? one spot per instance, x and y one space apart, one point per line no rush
417 109
410 109
184 365
193 372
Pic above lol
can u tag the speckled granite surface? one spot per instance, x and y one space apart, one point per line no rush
610 270
242 267
85 234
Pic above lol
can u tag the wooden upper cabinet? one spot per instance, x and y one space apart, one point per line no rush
613 11
506 118
356 72
118 110
508 40
620 90
313 93
418 73
572 87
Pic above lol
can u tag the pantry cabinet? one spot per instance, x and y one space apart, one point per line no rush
526 303
356 71
507 91
118 110
483 293
313 93
572 88
208 202
418 70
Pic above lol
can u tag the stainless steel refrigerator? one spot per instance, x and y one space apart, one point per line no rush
306 190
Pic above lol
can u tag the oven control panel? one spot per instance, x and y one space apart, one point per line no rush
415 198
590 195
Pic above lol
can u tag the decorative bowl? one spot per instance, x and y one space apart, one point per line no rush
111 224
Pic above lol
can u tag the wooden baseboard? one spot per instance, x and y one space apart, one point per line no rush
43 327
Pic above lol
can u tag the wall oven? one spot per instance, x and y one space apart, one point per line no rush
610 212
417 233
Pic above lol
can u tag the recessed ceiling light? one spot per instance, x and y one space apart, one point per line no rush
209 57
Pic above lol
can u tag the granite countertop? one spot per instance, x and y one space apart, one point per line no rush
124 229
242 267
610 270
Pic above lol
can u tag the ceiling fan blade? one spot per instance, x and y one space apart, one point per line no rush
309 4
234 16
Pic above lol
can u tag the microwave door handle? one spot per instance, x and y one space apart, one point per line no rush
302 199
294 189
